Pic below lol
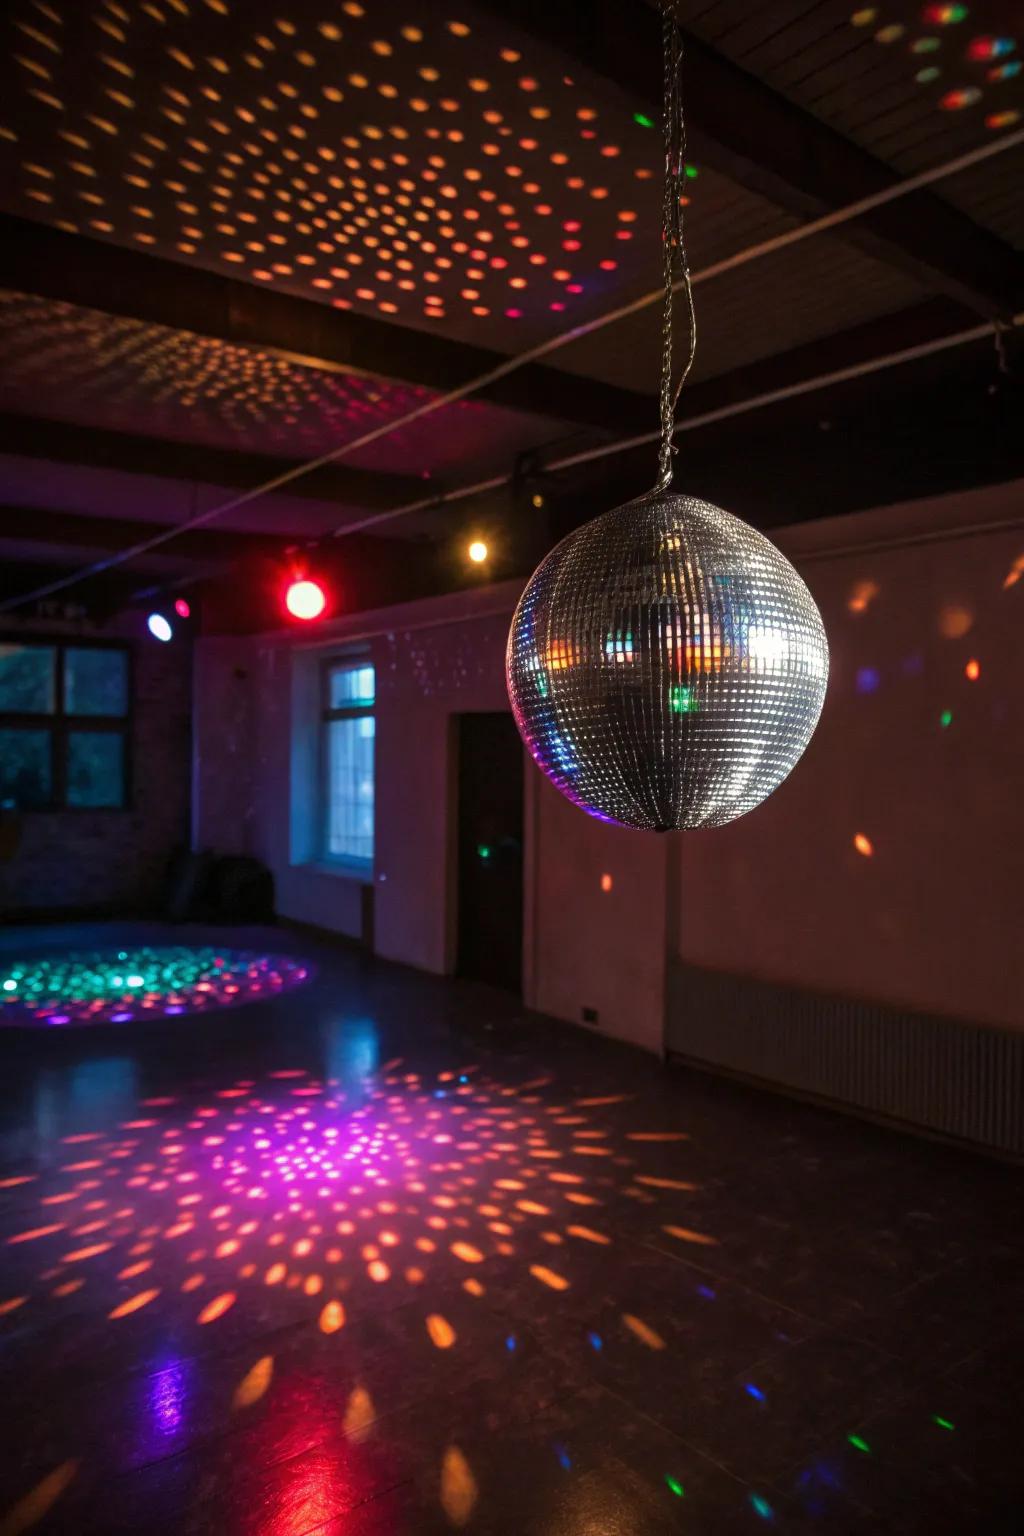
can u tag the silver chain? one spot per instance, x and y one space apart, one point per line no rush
674 257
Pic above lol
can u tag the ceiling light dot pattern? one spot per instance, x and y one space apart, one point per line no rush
297 156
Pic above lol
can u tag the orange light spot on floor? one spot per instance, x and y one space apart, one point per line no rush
68 1288
532 1208
275 1274
473 1286
31 1235
254 1383
685 1235
426 1245
135 1269
656 1183
612 1098
134 1304
21 1178
589 1235
313 1285
442 1334
378 1271
643 1332
359 1415
467 1253
657 1136
414 1276
193 1283
12 1305
72 1194
32 1508
332 1317
549 1277
78 1254
302 1247
972 671
217 1307
606 882
863 845
458 1487
578 1199
226 1249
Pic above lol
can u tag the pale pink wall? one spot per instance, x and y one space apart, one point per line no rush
591 947
445 657
932 918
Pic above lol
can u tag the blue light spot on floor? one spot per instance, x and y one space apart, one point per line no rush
595 1341
755 1392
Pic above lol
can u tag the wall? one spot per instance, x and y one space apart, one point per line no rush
930 917
112 861
928 921
433 660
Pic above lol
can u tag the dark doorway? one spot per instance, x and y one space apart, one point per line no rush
490 931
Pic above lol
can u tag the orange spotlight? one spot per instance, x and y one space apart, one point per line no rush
477 551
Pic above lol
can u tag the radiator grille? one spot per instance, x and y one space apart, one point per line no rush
960 1079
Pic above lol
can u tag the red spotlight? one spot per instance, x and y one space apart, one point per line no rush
305 599
182 608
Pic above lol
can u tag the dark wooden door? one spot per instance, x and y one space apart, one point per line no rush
490 911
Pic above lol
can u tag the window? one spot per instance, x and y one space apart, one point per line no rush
63 726
349 725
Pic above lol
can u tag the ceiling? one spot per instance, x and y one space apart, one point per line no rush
237 236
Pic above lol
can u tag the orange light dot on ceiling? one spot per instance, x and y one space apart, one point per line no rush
863 845
528 84
510 56
972 671
606 882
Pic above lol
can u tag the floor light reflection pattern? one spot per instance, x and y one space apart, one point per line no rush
123 986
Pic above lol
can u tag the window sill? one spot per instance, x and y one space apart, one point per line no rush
343 869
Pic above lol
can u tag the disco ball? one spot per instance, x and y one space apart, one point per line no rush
666 665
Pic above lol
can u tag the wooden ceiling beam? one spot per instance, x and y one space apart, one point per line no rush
94 274
66 443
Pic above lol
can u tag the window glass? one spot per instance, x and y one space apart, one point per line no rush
95 681
350 788
351 687
27 674
26 783
95 768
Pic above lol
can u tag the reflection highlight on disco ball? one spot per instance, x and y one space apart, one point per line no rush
666 665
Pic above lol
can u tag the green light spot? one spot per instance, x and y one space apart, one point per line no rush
681 700
483 850
859 1444
677 1488
761 1506
692 172
943 1423
946 718
926 76
645 122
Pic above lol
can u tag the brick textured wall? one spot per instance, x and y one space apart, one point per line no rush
112 861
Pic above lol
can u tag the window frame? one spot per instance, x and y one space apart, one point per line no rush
60 724
357 710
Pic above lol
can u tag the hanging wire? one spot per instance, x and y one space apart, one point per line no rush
674 257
